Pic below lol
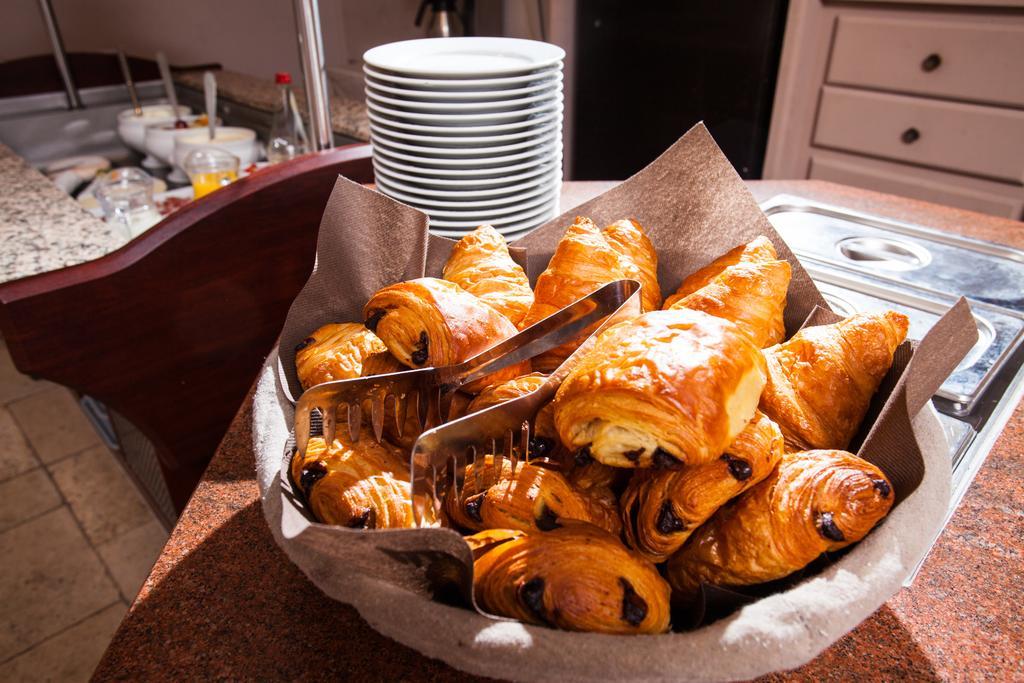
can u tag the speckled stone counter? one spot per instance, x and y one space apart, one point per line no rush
41 227
348 117
223 602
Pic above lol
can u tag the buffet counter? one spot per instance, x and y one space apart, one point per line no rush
223 601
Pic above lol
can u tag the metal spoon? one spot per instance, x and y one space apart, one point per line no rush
172 95
129 82
210 91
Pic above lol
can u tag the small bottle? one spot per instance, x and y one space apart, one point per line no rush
287 134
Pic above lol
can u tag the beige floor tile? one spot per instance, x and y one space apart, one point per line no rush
25 496
130 556
54 424
13 384
15 455
101 495
69 656
51 580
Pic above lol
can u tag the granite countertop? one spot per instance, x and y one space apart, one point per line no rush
223 601
348 117
41 227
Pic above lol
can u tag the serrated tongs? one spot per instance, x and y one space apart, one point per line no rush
441 454
428 391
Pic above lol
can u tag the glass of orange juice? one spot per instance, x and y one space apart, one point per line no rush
209 169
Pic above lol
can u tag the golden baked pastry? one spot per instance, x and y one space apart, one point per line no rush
533 498
660 509
340 351
629 239
814 501
429 322
758 250
543 439
752 295
582 262
411 430
361 485
666 389
481 265
577 577
820 381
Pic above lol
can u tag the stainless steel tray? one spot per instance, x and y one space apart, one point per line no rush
902 253
1000 332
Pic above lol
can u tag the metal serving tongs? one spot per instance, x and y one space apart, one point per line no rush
429 391
440 455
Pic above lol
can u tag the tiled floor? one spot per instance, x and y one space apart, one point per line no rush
76 538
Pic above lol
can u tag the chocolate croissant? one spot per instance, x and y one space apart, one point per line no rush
582 262
341 351
641 261
532 498
660 509
752 295
820 381
360 485
432 323
666 389
481 265
814 501
758 250
577 577
543 438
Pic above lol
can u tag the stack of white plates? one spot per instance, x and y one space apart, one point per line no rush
468 130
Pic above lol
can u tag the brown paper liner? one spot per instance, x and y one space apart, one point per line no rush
694 207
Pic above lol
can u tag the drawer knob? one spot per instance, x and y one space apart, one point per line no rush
910 136
931 63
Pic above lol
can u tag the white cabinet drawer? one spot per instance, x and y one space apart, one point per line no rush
974 194
940 55
965 138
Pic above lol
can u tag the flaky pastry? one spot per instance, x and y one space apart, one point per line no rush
627 237
340 351
577 577
820 381
758 250
668 388
481 265
813 502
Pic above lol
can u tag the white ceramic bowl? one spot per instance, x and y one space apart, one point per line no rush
132 128
159 137
239 141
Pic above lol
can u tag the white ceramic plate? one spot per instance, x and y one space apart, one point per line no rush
469 193
468 118
406 94
480 202
464 57
454 131
466 141
414 164
419 152
465 106
463 84
468 183
514 221
482 215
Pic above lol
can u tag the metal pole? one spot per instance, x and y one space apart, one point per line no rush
311 52
74 101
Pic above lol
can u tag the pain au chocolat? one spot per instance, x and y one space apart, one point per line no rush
666 389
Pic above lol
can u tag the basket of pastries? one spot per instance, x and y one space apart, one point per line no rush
721 486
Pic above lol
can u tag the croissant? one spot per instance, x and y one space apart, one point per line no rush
666 389
531 498
481 265
340 351
820 381
752 295
582 262
429 322
759 250
577 577
814 501
360 485
660 509
629 239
